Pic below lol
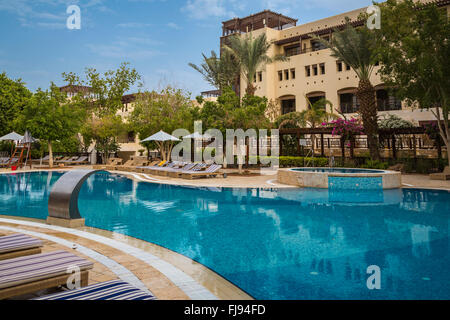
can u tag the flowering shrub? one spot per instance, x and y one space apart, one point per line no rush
345 128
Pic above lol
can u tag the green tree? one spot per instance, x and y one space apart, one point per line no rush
13 98
250 54
102 100
291 120
104 132
355 47
414 51
49 116
220 72
105 91
167 110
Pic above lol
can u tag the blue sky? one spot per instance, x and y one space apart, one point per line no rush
158 37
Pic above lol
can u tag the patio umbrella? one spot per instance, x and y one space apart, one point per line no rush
13 136
161 137
164 141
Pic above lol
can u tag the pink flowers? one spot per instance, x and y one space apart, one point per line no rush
345 128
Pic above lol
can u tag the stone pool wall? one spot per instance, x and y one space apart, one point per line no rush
334 180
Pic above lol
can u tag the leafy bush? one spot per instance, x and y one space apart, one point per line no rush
302 161
375 164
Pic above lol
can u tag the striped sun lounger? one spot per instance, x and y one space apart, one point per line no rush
212 170
18 245
37 272
109 290
175 173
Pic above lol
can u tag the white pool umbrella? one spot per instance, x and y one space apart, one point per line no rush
13 136
161 137
164 141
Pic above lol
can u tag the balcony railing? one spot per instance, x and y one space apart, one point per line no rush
298 50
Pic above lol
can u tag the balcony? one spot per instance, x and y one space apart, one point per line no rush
294 51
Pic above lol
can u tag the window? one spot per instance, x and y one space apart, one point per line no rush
349 103
292 50
280 75
308 71
347 67
286 74
314 99
260 77
386 102
254 78
322 68
287 106
315 70
339 66
292 73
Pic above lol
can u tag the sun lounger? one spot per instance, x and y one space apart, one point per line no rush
211 171
445 175
80 160
109 290
37 272
155 166
18 245
8 163
162 170
175 173
68 161
62 160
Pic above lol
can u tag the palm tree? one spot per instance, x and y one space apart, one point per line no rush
220 72
353 46
317 114
250 54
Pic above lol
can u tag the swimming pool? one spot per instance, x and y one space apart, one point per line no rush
274 244
340 178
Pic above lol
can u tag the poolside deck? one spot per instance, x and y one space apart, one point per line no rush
164 273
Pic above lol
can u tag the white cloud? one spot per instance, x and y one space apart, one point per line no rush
127 48
204 9
30 13
134 25
173 26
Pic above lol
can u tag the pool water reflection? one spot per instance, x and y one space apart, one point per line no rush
274 244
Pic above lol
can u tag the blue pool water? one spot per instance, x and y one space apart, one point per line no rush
274 244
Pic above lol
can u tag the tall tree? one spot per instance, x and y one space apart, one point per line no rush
167 110
49 116
251 54
355 47
220 72
316 113
105 90
103 99
13 98
104 131
414 51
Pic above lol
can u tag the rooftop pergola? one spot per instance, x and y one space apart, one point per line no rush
257 21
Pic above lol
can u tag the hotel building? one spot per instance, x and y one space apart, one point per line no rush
310 71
